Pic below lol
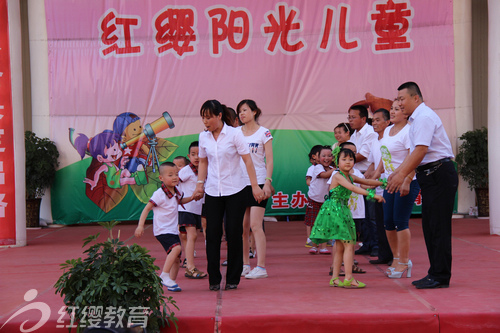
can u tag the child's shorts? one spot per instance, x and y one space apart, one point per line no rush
312 211
187 219
169 241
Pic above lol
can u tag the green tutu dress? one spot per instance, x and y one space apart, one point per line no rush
334 220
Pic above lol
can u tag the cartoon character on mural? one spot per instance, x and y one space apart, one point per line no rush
127 156
104 147
128 126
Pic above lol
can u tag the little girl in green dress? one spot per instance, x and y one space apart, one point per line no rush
335 221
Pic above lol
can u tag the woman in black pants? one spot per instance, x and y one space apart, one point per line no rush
220 149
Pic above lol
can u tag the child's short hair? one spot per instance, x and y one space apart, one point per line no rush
314 150
193 144
166 164
184 159
347 152
347 143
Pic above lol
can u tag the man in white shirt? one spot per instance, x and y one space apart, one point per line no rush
380 121
430 155
363 137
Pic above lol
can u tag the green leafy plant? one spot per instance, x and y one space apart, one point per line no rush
41 164
472 158
115 276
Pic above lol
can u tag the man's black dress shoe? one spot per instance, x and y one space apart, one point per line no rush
380 261
431 284
422 280
214 287
374 252
362 250
231 286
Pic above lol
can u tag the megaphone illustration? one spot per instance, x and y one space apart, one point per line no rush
150 130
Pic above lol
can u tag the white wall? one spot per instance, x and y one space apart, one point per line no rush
462 23
494 113
39 62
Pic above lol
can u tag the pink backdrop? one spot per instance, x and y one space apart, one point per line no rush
297 87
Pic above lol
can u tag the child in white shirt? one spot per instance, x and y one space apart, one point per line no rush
164 202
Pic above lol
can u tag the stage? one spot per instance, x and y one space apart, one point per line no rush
296 296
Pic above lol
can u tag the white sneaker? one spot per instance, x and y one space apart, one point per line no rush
246 270
257 273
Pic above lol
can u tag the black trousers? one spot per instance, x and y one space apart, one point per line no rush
369 226
438 198
234 207
384 249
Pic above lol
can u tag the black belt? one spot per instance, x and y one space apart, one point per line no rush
432 166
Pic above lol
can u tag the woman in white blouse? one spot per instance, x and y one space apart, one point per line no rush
221 178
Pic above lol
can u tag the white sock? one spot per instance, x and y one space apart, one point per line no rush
166 279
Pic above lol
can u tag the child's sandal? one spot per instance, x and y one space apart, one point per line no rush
357 270
335 282
194 274
341 273
349 284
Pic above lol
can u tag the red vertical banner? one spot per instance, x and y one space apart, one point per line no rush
7 176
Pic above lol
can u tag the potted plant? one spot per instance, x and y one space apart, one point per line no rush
41 164
114 280
472 160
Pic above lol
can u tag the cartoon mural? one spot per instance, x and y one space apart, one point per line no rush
124 157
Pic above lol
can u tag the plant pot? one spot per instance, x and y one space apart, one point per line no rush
483 202
33 212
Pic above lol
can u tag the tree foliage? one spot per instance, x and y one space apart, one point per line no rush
115 275
472 158
41 164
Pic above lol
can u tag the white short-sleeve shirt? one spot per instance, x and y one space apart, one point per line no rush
309 172
363 140
187 186
356 201
225 176
394 149
319 187
165 213
256 143
375 157
426 129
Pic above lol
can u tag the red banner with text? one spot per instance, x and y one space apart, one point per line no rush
7 179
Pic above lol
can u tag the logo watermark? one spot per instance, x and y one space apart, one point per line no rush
92 316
